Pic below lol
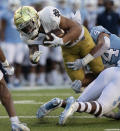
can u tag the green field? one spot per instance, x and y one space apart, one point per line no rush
27 103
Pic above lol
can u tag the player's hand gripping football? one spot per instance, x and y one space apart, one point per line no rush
56 41
76 65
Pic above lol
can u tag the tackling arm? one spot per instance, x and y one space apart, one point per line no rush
103 44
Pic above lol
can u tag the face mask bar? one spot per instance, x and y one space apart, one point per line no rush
30 28
27 27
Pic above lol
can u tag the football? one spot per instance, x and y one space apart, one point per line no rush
58 32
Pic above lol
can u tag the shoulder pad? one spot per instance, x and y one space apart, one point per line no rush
50 18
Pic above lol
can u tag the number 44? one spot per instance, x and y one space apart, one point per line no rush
110 53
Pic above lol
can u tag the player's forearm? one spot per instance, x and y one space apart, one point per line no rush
72 35
102 45
97 50
73 30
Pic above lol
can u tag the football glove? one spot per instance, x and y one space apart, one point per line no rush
8 68
56 41
76 65
20 127
79 63
35 57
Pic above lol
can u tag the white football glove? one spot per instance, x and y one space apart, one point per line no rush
79 63
36 56
76 86
8 68
56 41
20 127
76 65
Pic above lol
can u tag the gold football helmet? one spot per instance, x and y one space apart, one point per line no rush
27 21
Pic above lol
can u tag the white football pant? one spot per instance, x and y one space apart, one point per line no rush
105 89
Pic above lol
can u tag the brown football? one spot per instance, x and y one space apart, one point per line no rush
58 32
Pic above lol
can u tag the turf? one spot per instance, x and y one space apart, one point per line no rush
79 122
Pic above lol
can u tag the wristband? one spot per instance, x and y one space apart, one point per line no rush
5 64
88 58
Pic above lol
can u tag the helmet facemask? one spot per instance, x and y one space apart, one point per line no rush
30 29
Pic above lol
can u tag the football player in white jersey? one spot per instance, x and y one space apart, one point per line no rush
49 19
103 45
6 98
76 42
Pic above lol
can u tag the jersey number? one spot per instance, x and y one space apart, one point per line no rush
110 54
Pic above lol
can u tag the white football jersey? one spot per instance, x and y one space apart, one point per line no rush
76 17
49 18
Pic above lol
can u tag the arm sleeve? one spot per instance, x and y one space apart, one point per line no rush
50 18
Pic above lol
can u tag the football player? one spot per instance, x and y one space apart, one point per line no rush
99 98
76 42
108 48
6 98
